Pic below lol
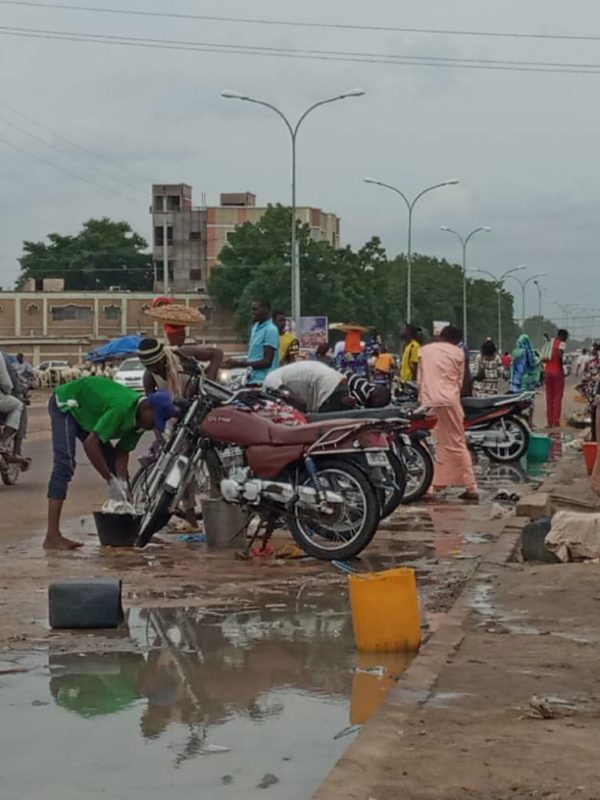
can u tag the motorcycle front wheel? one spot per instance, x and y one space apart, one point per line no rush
352 526
9 470
515 443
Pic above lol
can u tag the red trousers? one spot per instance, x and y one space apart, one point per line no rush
555 387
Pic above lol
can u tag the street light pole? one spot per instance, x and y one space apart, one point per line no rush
523 285
293 131
539 291
499 281
464 242
410 205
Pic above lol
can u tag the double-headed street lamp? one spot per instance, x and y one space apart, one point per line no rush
410 204
293 131
464 240
499 281
523 285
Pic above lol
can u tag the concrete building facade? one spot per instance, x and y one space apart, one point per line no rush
196 236
66 325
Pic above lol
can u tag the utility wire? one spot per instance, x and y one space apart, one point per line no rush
300 24
318 55
91 153
62 153
64 169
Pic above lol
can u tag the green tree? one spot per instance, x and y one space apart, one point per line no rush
104 253
350 285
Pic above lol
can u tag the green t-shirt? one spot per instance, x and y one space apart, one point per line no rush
103 407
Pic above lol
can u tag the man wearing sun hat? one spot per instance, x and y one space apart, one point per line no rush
97 411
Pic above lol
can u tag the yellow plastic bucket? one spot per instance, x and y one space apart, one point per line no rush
385 611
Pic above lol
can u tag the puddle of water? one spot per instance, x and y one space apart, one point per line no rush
212 703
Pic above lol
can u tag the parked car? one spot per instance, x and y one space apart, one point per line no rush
57 365
131 374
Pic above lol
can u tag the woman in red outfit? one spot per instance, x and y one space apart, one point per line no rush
555 379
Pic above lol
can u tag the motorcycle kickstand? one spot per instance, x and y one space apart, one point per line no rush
244 554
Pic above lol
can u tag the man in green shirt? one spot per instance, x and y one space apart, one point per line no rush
97 411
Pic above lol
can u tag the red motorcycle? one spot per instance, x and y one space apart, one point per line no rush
305 476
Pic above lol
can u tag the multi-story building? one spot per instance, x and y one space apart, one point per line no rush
196 236
67 325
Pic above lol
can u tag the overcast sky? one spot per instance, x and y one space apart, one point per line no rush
523 145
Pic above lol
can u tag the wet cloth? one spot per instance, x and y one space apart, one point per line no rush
441 371
574 536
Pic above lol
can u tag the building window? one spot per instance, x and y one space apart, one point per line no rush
195 274
173 202
228 235
112 312
33 308
159 201
62 313
195 236
159 235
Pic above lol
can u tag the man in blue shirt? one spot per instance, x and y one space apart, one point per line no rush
263 350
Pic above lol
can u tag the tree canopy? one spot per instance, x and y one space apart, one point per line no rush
104 253
361 285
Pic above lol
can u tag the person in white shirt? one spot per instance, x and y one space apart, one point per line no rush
314 384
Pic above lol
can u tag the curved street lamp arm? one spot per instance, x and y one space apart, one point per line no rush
294 130
428 189
473 232
276 110
518 280
457 234
394 189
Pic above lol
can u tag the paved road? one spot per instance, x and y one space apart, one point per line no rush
24 505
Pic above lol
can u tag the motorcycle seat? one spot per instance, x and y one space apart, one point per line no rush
385 413
301 434
488 402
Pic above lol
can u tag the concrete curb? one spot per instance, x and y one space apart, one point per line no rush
351 777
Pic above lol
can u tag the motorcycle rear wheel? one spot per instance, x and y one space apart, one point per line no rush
348 534
515 427
419 471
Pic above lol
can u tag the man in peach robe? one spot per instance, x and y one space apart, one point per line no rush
441 375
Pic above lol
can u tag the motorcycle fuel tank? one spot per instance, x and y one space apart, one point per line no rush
236 426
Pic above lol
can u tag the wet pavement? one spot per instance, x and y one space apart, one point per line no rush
219 703
229 679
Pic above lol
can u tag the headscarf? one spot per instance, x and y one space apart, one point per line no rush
151 352
525 366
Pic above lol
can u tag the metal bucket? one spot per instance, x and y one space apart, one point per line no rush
224 524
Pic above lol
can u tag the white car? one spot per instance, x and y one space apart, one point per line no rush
131 374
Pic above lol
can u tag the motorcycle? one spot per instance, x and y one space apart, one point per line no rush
303 475
10 469
411 446
495 425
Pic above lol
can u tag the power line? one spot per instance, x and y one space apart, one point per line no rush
318 55
62 153
91 153
65 170
301 24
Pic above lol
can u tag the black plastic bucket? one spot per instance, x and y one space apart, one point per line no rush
117 530
533 544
